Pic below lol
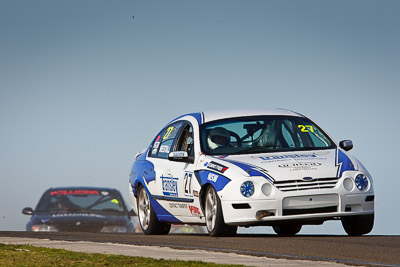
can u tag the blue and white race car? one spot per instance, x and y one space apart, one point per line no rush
255 168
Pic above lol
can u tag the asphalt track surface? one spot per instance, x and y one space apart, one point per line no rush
364 250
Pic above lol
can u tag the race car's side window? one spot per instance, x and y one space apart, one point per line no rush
185 141
164 141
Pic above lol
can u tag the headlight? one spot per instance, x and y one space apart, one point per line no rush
247 189
361 182
266 189
43 228
113 229
348 184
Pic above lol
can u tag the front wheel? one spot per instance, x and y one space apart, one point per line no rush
289 229
216 225
358 225
147 217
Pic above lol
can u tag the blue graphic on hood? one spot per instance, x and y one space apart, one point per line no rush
252 170
343 163
217 180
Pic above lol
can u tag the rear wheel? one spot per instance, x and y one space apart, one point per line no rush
216 225
288 229
358 225
147 217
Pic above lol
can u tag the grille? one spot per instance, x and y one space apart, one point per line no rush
309 211
297 185
241 206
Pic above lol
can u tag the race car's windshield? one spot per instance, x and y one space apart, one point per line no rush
261 134
81 201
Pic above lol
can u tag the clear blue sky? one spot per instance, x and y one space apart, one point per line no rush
84 85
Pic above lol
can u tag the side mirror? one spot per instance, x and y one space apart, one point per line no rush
181 156
27 211
346 145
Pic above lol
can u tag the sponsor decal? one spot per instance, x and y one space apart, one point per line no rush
169 186
212 177
178 206
195 193
164 149
179 154
154 151
295 156
195 211
216 166
300 165
156 144
74 192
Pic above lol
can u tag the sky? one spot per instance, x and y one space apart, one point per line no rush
85 85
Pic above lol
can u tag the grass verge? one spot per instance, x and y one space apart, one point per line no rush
26 255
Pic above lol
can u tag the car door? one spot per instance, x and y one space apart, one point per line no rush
189 187
172 178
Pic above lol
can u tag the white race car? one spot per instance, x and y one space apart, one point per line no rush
254 168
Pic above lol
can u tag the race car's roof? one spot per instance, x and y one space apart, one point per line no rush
217 115
207 116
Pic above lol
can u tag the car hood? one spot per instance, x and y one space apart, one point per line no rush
88 222
292 165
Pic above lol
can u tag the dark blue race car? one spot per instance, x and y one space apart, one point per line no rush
80 209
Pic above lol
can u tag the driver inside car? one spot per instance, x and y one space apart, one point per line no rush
218 137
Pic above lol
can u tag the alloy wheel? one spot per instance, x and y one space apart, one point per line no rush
211 210
144 209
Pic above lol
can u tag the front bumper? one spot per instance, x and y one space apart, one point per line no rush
304 207
271 212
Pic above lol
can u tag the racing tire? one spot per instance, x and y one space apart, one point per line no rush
289 229
147 217
358 225
215 223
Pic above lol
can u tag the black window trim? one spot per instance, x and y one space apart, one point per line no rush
174 143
